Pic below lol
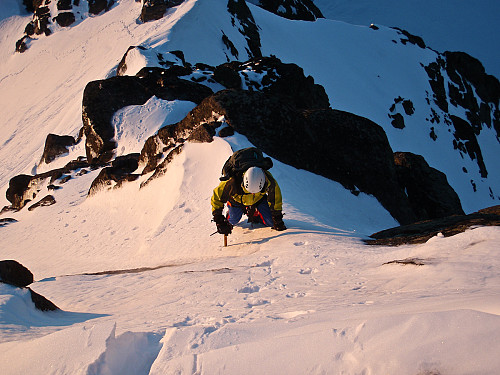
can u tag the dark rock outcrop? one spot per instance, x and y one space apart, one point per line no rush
18 191
119 172
427 189
292 9
63 14
471 89
240 12
165 84
155 9
24 188
65 19
56 145
347 148
101 99
48 200
98 6
42 303
421 232
276 78
14 273
6 220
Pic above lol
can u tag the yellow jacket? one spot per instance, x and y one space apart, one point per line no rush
233 191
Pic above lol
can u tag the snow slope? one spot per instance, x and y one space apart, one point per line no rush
144 288
470 27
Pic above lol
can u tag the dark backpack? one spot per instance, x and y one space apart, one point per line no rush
243 159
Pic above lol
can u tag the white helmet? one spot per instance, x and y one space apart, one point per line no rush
254 180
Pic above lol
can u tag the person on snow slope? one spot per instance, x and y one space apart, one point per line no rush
255 193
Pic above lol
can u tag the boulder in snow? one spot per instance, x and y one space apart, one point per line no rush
56 145
427 188
114 176
48 200
14 273
155 9
448 226
292 9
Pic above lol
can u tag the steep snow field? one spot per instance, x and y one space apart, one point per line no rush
143 286
470 27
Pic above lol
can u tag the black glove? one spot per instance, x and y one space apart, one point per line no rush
279 225
223 226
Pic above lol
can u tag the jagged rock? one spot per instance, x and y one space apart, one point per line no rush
349 149
64 5
466 141
162 167
42 303
276 78
48 200
228 75
14 273
101 99
18 192
155 9
114 176
56 145
41 20
21 45
97 6
292 9
413 39
467 82
421 232
6 220
44 14
24 188
65 19
427 189
165 84
241 13
173 62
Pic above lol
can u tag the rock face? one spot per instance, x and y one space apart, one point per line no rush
427 189
18 192
24 188
48 200
42 303
460 80
274 78
421 232
120 171
14 273
64 14
347 148
56 145
155 9
101 99
240 13
292 9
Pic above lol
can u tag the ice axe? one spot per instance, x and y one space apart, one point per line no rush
225 238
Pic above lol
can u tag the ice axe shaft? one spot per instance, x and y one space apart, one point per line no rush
225 240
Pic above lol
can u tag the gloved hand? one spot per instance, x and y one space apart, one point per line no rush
279 225
223 226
